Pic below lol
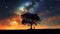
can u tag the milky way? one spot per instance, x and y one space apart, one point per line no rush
47 10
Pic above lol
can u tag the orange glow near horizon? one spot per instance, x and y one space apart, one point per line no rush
14 23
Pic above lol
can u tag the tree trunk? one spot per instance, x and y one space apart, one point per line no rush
30 26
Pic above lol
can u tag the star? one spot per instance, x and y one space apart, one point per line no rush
6 7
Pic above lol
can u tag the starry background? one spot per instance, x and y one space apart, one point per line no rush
48 10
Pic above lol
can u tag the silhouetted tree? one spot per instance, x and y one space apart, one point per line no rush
31 19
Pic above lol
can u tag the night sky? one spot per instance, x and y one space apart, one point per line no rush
7 7
48 10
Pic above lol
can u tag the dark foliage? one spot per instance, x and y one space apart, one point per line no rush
31 19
